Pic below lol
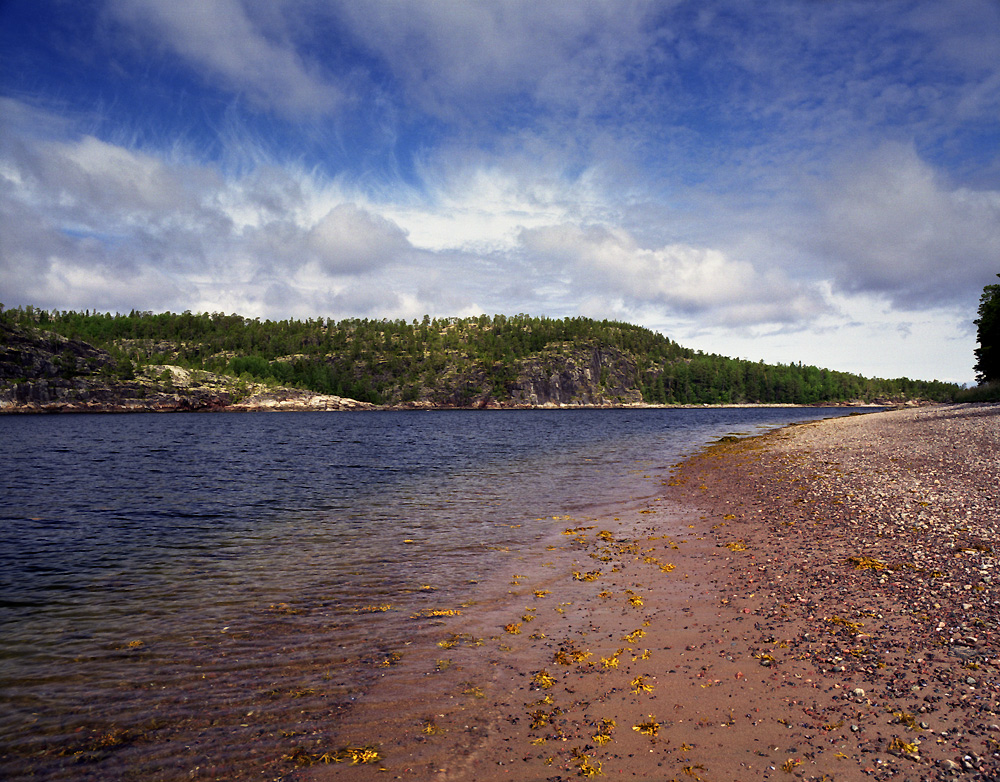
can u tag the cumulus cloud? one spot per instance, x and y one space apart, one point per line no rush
681 279
479 204
51 266
223 42
87 223
890 226
92 176
349 240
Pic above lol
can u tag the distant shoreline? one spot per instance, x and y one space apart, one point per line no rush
182 363
318 403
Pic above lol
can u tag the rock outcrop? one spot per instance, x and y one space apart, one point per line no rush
576 375
561 375
284 399
42 372
42 355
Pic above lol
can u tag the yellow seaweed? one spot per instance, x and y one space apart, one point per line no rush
648 728
866 563
639 685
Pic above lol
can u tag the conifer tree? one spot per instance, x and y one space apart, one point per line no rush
988 353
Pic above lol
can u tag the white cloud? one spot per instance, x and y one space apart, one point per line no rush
351 240
454 56
890 226
862 335
960 32
480 206
85 223
607 263
221 41
92 175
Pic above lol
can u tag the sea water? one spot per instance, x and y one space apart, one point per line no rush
180 592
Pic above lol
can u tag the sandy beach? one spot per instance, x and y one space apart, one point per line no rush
815 603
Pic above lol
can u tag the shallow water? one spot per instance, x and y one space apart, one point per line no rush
181 591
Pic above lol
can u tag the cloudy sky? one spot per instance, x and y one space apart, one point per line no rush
796 180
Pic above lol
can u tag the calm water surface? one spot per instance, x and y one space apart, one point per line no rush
180 591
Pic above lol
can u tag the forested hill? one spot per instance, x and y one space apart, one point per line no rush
464 362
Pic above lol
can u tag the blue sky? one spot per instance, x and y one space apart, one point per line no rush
789 181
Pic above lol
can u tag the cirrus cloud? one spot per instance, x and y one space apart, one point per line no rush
221 41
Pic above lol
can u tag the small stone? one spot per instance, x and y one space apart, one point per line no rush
857 692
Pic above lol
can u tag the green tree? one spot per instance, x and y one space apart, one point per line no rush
988 353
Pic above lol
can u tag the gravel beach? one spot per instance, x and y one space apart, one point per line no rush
868 560
816 603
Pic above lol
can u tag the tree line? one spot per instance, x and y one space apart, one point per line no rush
393 361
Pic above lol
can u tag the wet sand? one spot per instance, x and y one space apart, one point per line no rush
814 603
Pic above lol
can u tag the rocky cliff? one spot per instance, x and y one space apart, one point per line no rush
43 372
561 375
576 375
